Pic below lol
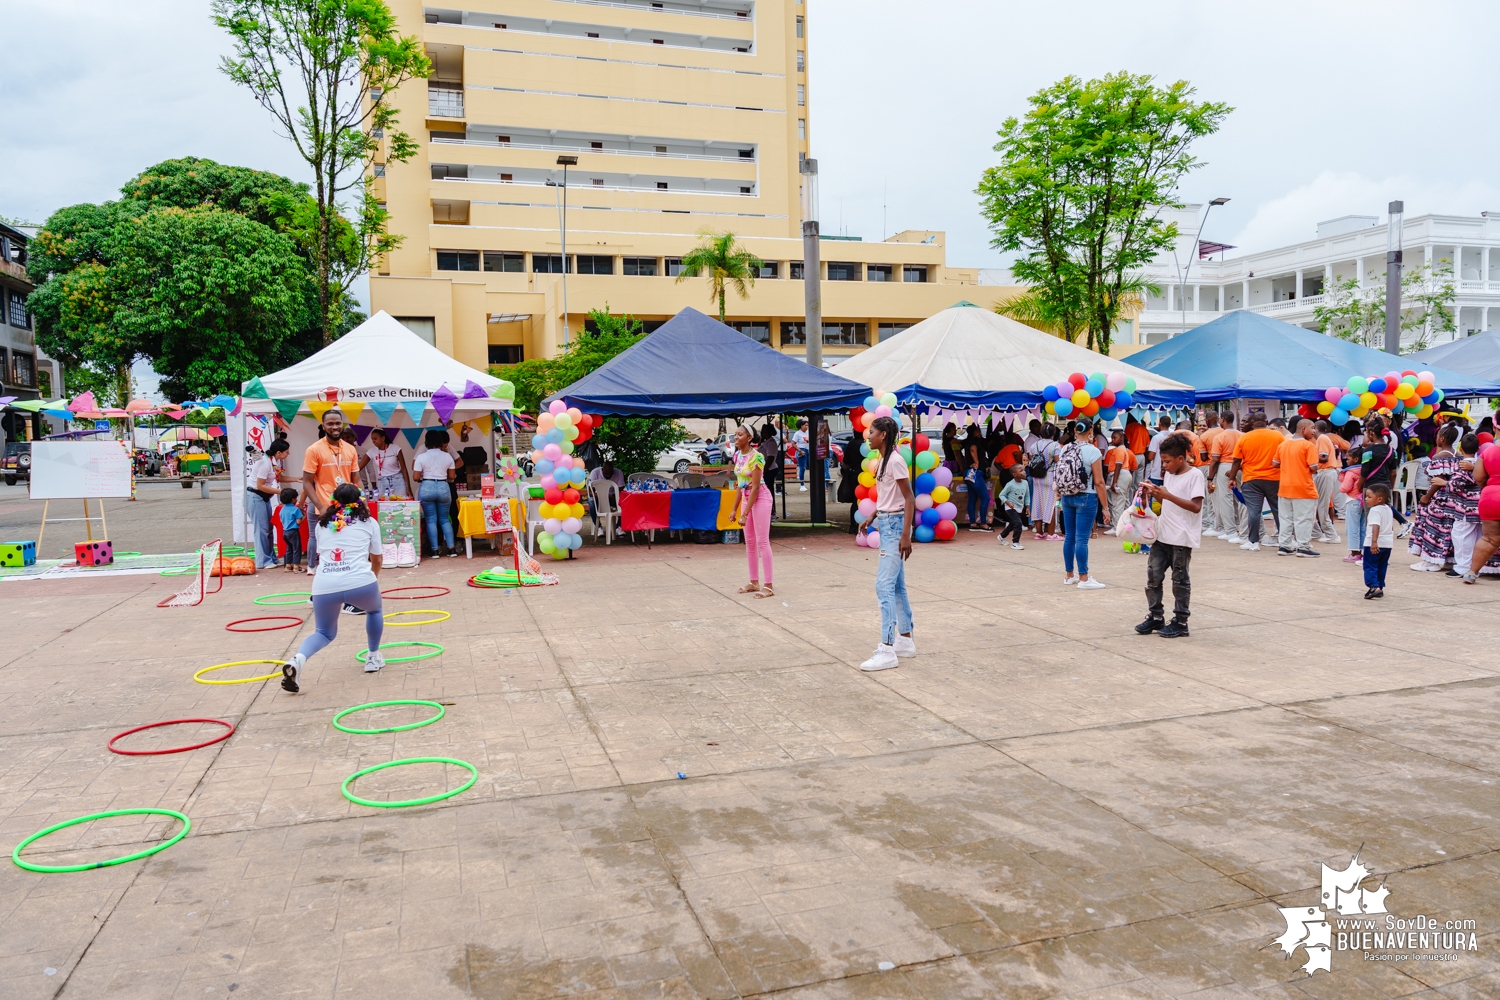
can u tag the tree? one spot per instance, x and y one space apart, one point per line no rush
1079 191
724 262
632 443
1357 314
325 70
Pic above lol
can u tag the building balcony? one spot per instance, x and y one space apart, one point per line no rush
445 100
728 156
1289 305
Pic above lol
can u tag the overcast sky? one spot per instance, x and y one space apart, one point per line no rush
1340 106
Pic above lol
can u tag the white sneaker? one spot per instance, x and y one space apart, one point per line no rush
884 659
1210 534
1426 567
291 673
905 645
1231 539
1017 545
1072 579
802 489
374 661
1250 546
1091 584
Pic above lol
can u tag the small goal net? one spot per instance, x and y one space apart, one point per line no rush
208 557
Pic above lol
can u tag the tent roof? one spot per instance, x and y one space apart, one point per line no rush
693 365
966 356
1244 354
1477 356
379 354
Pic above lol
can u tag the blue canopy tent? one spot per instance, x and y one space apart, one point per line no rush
1246 355
1477 355
695 366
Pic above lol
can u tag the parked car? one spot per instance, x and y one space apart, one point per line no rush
678 459
16 463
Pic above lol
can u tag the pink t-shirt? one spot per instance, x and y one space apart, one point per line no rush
888 498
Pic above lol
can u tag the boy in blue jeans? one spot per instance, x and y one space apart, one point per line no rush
1379 538
291 517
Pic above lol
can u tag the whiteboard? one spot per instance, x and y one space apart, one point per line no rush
74 470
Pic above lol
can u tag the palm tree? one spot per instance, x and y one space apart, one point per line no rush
724 262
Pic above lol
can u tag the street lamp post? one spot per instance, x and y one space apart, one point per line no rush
812 328
1182 275
565 162
1393 278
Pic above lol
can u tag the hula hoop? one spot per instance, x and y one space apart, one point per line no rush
388 729
264 618
264 599
505 578
230 551
441 591
364 654
187 825
198 676
169 722
127 553
416 611
178 571
473 777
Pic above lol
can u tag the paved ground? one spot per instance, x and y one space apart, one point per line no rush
1041 804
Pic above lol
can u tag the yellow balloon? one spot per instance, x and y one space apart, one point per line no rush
577 509
1404 391
940 494
1049 407
1368 399
1080 398
1325 408
544 509
865 479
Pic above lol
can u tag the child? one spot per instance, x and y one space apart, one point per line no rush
1179 530
1012 501
1379 538
290 515
895 512
1354 511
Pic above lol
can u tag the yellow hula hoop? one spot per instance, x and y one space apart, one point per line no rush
417 611
198 676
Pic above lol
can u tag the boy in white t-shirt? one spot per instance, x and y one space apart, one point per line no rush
1380 537
1179 530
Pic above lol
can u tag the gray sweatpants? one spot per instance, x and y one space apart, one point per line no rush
1327 482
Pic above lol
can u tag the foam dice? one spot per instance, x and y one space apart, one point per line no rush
17 553
94 553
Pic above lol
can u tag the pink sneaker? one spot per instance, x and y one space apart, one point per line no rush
1352 559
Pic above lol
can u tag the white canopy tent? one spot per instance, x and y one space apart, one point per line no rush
380 374
966 357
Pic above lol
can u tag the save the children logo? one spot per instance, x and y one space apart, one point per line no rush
1352 917
337 555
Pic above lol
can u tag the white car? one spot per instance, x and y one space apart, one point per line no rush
677 459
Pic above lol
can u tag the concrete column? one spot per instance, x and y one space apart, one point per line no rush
1297 292
1484 268
1245 294
1197 298
1327 278
1359 270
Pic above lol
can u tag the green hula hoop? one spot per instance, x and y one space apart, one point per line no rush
473 777
264 600
187 825
363 654
127 553
388 729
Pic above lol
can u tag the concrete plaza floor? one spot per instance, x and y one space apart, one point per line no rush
1041 804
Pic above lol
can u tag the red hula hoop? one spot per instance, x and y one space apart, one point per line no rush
170 722
420 597
295 621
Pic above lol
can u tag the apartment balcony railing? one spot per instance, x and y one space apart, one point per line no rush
584 188
736 158
15 270
723 16
445 102
1287 305
1479 286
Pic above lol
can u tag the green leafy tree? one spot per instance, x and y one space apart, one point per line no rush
325 70
1357 314
632 443
1078 194
725 263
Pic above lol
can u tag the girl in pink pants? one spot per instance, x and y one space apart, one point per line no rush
754 503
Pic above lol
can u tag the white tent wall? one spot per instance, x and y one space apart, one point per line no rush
234 431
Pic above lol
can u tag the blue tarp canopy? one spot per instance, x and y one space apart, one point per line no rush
1477 355
695 366
1246 355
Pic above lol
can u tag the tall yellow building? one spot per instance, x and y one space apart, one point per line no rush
683 116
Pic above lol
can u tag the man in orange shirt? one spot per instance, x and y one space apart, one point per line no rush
1297 495
1327 480
1229 513
1119 476
1138 440
328 463
1258 477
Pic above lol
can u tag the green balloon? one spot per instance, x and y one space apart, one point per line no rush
1130 386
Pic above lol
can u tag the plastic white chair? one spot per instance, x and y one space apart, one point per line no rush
1405 491
606 497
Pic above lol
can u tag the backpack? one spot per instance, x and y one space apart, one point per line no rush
1036 466
1069 475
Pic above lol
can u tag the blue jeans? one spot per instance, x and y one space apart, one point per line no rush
436 502
259 509
1376 561
801 466
890 579
1078 513
1354 523
979 490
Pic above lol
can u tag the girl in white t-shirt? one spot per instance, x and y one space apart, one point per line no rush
390 465
348 565
895 512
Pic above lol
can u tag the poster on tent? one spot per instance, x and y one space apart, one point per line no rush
258 431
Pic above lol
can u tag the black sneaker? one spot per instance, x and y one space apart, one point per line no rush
1307 554
1148 626
290 672
1370 594
1378 592
1452 572
1286 552
1174 630
350 609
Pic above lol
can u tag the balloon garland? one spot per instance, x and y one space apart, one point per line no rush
1413 393
559 430
935 512
1096 395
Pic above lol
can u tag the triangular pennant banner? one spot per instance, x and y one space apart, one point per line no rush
352 411
443 401
412 435
483 423
383 411
287 408
319 407
255 389
360 433
414 408
473 390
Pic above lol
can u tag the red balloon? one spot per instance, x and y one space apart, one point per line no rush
1106 398
855 414
919 444
944 530
553 495
570 496
861 491
584 422
1407 372
1077 380
873 495
583 435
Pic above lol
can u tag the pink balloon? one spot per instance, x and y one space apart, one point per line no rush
548 483
859 538
1426 377
1334 395
564 462
867 507
882 411
873 539
924 500
552 452
943 475
1064 390
558 406
1115 381
947 511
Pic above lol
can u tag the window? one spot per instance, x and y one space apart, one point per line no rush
597 181
658 41
891 329
422 326
801 129
380 170
793 334
661 149
512 263
547 263
596 145
498 25
23 369
448 171
846 334
593 34
594 264
799 27
661 185
758 331
839 270
377 133
458 260
769 269
801 61
507 178
745 190
638 265
448 136
914 272
503 138
506 354
878 272
801 95
674 266
794 270
747 154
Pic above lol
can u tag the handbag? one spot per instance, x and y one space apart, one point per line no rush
1137 523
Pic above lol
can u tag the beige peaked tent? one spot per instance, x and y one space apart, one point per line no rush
966 357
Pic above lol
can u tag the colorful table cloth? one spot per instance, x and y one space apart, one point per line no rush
702 509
